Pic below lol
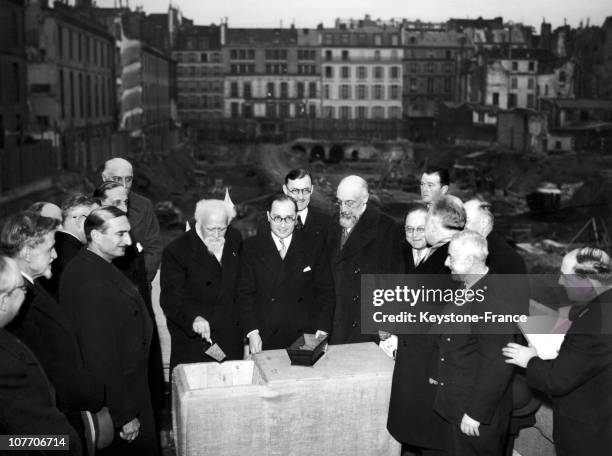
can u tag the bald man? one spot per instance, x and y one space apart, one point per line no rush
145 227
47 209
365 241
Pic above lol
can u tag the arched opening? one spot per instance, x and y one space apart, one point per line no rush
317 153
355 155
298 149
336 153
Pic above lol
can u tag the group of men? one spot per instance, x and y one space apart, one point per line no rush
75 321
302 273
88 327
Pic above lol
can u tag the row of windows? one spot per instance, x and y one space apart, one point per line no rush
346 55
301 90
362 72
195 71
78 46
429 67
200 86
203 102
242 54
429 84
429 54
359 39
363 92
195 57
274 110
362 112
83 95
530 83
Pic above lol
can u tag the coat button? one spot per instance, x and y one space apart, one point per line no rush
442 359
448 339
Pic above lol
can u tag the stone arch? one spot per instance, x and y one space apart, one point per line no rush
317 152
298 149
336 153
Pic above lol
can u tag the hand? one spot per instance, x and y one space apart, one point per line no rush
469 426
384 335
202 327
255 343
518 355
129 431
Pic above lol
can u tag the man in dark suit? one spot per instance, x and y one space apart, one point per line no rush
27 396
366 241
44 325
412 419
286 286
199 278
474 394
312 221
69 238
141 214
113 328
415 245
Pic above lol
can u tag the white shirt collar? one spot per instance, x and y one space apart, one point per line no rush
423 254
27 277
286 241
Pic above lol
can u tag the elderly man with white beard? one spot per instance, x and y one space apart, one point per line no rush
366 241
199 276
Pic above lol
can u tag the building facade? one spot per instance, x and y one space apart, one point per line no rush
362 71
70 82
199 74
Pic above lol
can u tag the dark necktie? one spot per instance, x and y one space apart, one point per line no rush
298 223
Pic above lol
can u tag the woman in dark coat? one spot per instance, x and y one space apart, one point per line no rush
579 379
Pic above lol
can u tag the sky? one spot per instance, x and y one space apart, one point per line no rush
309 13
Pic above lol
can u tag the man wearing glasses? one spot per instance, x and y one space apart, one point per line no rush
366 241
141 214
415 245
285 287
69 238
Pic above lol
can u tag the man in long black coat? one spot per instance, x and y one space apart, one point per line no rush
412 419
27 396
114 329
366 241
286 286
45 326
199 278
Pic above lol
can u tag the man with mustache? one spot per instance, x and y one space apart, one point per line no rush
199 277
114 329
366 241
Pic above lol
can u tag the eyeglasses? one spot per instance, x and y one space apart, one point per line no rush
122 180
348 203
411 230
79 217
288 220
298 191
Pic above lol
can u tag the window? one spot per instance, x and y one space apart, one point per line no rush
362 72
283 110
345 92
378 72
300 89
495 98
530 100
531 66
235 109
530 83
394 92
17 80
395 73
378 112
431 67
81 101
345 72
376 55
345 55
378 92
62 94
312 111
328 55
203 57
430 85
60 41
447 85
270 110
312 90
329 72
284 90
362 112
413 84
362 92
448 55
414 67
70 45
329 112
234 90
345 112
512 100
72 101
514 66
270 90
326 91
79 50
513 83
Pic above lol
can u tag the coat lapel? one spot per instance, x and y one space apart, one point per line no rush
363 232
294 259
